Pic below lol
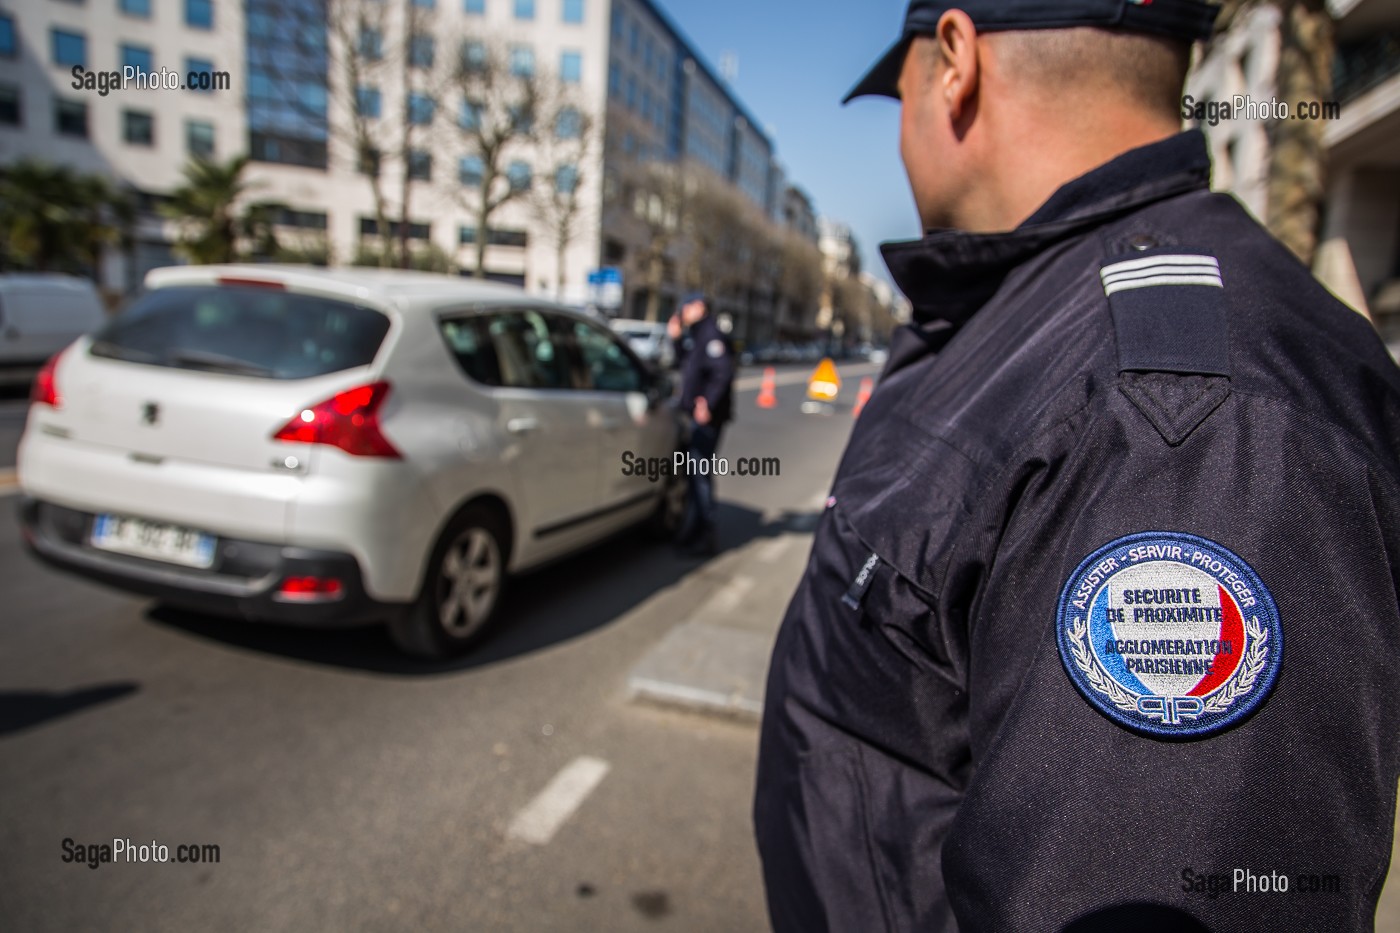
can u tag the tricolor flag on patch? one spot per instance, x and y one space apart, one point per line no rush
1161 270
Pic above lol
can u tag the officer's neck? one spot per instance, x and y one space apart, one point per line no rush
1027 161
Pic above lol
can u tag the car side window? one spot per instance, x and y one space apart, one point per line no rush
469 339
526 351
607 366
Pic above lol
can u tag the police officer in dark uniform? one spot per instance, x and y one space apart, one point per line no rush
705 356
1100 628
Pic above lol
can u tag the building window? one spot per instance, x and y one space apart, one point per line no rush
421 108
569 124
469 171
522 117
195 68
469 116
631 92
614 79
566 179
420 51
8 46
370 227
522 61
69 48
573 11
199 13
420 165
138 127
10 114
571 67
524 9
367 101
199 139
371 44
140 8
425 4
138 57
634 37
466 235
70 118
287 72
473 56
474 7
519 175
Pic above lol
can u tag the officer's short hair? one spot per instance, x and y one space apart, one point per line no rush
1150 69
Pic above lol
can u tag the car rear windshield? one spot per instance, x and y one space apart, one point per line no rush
243 330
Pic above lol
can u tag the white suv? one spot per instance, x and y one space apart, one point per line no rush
339 446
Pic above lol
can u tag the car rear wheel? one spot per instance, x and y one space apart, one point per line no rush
461 591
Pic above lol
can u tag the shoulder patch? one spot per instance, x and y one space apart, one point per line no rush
1169 635
715 348
1168 312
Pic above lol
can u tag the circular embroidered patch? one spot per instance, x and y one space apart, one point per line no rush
1169 634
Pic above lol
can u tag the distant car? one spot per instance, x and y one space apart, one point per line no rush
329 447
39 315
648 340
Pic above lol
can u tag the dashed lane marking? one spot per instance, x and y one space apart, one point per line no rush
542 817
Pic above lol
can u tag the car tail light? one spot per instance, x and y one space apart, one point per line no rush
250 283
45 388
349 421
310 589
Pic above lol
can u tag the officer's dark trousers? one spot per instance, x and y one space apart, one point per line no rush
700 506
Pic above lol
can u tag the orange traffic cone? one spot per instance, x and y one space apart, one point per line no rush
867 385
767 396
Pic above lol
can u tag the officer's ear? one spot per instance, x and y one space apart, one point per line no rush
956 69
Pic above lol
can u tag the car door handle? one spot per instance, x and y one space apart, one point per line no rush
522 425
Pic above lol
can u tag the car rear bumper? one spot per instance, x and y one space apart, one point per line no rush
243 582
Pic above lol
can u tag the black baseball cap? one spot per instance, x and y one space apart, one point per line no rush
1188 20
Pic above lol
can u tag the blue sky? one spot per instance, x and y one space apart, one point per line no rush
796 61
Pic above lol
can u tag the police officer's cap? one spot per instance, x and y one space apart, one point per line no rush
1188 20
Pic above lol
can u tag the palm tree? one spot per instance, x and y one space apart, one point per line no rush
53 219
215 225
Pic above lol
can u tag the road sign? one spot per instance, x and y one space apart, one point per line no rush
605 288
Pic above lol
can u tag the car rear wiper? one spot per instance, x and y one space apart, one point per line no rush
216 362
115 351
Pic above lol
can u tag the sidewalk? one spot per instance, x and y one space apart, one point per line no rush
716 660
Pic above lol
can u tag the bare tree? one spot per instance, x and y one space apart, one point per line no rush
385 70
1297 151
562 155
504 104
647 201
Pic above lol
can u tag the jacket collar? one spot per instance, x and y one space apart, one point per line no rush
949 274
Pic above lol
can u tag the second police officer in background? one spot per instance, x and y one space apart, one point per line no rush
1100 627
705 357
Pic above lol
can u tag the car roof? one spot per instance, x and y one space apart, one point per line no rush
404 289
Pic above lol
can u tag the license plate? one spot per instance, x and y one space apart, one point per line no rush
153 540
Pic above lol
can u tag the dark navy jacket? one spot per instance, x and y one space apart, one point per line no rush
939 751
705 357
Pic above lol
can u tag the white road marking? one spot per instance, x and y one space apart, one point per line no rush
729 596
551 809
772 550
